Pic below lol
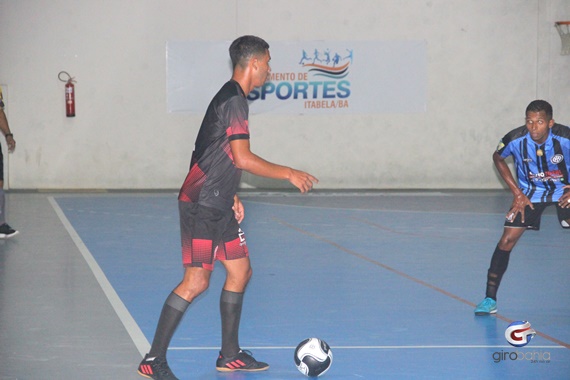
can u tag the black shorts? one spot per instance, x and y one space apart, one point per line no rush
209 234
532 217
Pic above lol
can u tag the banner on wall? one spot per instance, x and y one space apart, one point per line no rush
315 77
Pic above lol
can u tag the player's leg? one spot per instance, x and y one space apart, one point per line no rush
5 230
233 254
231 301
194 283
512 231
154 364
500 259
232 357
2 199
197 258
238 274
2 196
497 268
563 216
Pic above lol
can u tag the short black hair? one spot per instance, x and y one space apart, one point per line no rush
245 47
539 106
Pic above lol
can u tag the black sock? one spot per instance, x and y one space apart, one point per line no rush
230 310
499 264
171 315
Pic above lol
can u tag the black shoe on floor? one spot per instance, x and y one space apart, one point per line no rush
7 232
155 368
243 361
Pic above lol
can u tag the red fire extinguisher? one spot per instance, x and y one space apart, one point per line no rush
69 94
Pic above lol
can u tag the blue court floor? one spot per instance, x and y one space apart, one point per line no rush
388 279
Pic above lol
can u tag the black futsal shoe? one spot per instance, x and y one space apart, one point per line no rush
155 368
7 232
243 361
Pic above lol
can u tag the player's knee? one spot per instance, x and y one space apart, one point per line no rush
510 238
192 287
506 245
249 274
243 278
240 279
201 284
507 242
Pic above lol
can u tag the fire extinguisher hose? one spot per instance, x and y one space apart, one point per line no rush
69 77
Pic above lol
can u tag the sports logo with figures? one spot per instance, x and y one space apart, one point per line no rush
320 83
312 77
519 333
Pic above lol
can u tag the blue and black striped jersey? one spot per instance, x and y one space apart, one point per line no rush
542 170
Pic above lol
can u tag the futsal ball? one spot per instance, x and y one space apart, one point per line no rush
313 357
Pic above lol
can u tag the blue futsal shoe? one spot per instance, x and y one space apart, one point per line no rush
486 307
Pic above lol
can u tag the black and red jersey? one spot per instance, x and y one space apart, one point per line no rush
213 178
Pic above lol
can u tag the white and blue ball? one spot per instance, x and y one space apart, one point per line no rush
313 357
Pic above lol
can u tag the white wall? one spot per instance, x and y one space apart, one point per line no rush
487 60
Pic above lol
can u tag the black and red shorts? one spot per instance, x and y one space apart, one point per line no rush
209 234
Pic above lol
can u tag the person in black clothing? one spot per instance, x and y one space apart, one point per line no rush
5 230
210 212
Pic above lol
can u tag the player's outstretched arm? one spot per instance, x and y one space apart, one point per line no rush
246 160
520 201
6 131
303 181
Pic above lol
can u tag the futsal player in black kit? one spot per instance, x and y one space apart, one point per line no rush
210 212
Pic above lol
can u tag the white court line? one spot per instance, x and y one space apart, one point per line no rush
126 318
373 347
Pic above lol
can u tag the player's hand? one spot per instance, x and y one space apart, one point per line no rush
302 181
564 200
239 211
519 204
11 143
